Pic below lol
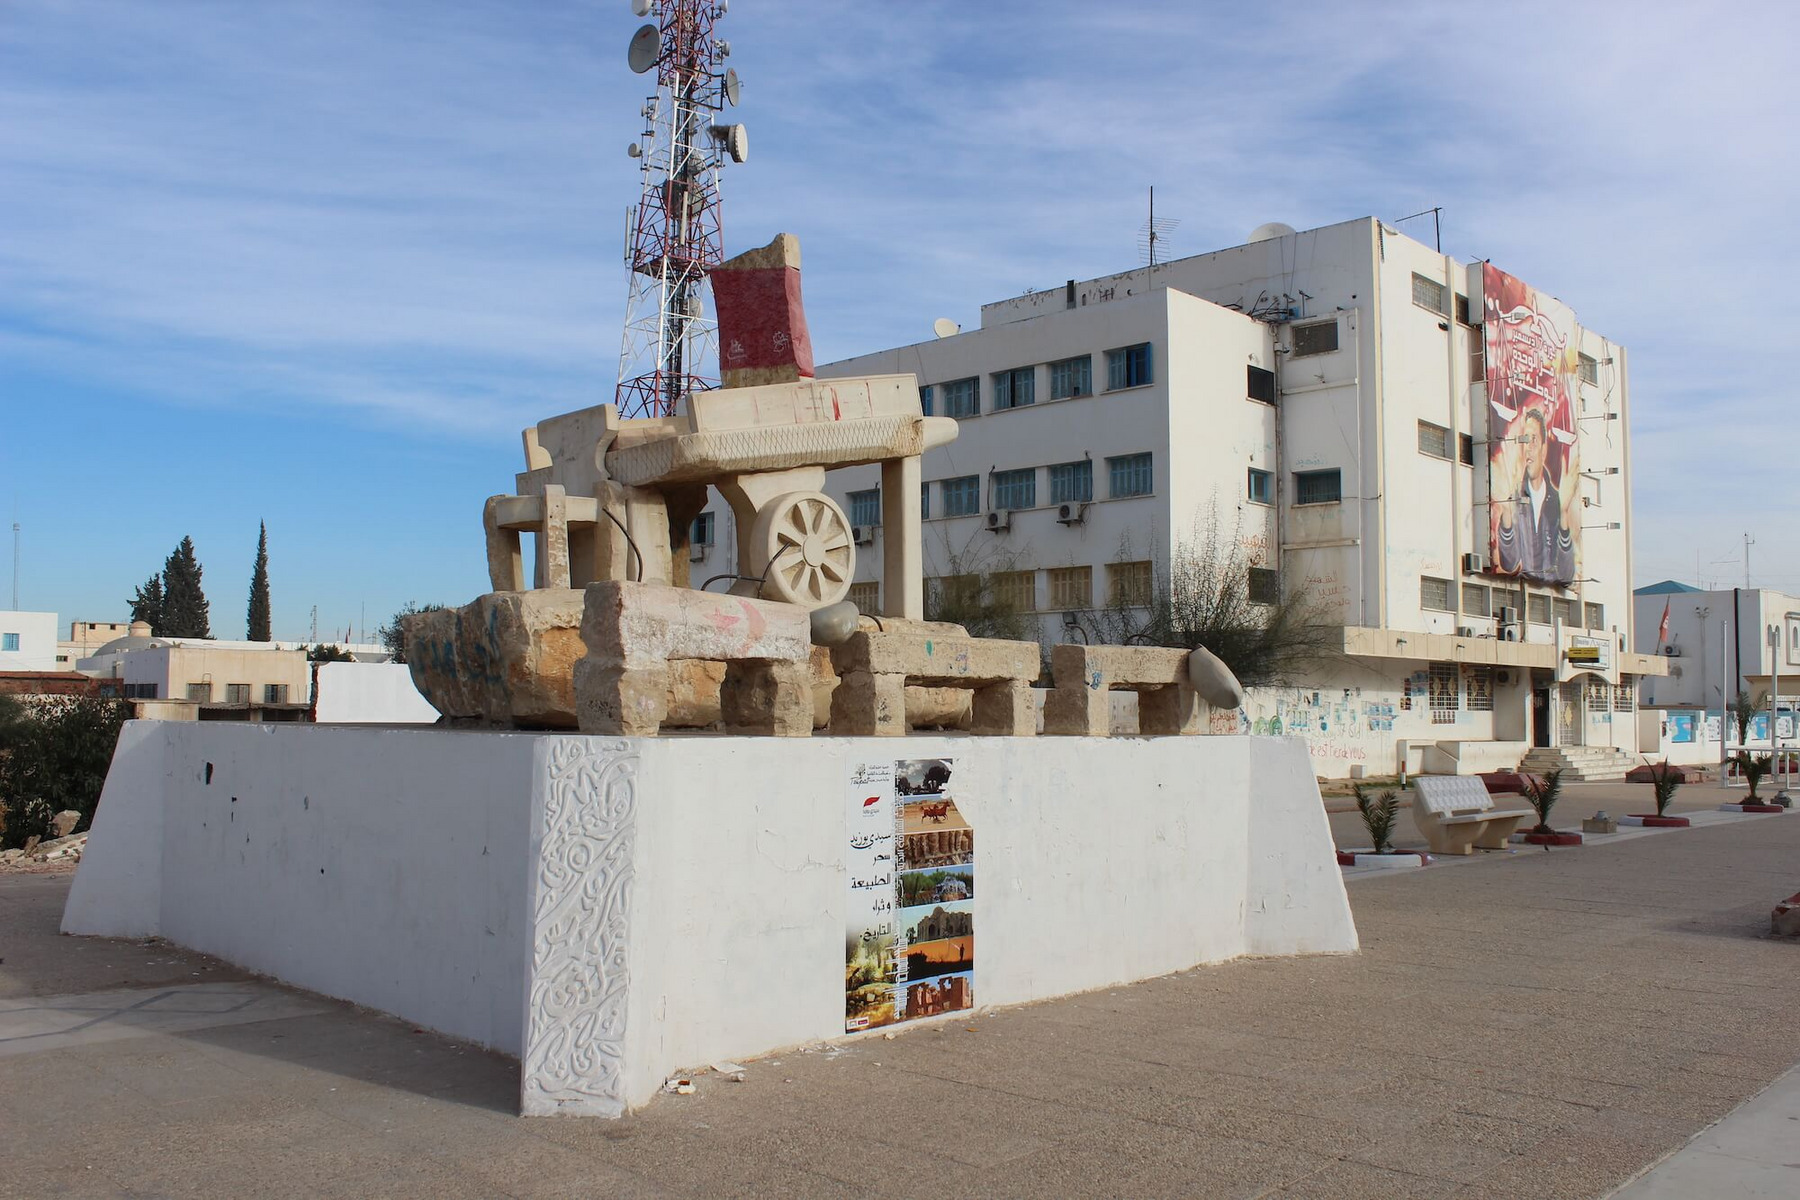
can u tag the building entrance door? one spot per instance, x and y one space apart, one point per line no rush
1569 708
1540 713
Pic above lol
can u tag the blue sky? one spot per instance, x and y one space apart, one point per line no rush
316 263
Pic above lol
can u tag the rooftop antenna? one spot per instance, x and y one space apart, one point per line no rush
15 566
673 235
1437 233
1748 542
1154 231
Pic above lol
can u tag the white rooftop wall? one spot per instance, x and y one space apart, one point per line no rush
28 641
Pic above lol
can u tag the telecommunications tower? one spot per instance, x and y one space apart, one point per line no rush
672 234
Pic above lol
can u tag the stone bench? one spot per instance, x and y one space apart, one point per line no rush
1456 814
875 668
1079 705
633 631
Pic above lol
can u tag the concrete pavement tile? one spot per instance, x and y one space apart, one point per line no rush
1141 1159
1351 1179
1708 1173
76 1182
533 1167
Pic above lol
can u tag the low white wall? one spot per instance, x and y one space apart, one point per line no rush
352 693
615 909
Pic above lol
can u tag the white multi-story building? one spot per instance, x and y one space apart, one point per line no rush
28 641
1315 406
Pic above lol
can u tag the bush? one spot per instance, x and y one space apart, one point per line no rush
1543 795
1754 768
54 755
1378 815
1664 780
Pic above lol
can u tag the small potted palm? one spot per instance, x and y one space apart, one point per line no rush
1753 769
1379 813
1542 794
1664 780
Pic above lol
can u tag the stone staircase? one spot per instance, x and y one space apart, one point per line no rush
1586 764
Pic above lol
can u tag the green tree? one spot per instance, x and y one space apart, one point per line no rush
54 755
393 637
258 622
185 611
147 603
328 653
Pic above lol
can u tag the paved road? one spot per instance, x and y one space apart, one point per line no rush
1541 1024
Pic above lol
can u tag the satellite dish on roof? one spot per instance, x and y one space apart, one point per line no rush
735 139
944 327
732 87
640 8
1270 231
646 47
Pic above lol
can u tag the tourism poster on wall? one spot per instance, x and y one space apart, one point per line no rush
909 949
1531 346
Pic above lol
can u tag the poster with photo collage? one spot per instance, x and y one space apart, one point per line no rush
909 949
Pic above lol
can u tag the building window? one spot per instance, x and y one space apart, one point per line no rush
1128 475
1318 487
866 596
1071 587
1016 591
1321 338
1596 616
1625 694
1462 311
962 398
1434 440
1015 389
1565 611
1477 357
140 691
961 497
1588 367
1128 367
1428 293
1072 377
925 399
1537 609
9 642
1128 584
1434 594
865 507
1015 489
1475 600
200 691
1072 483
1261 486
925 502
275 693
702 532
1265 586
237 693
1465 449
1443 692
1478 683
1598 693
1260 384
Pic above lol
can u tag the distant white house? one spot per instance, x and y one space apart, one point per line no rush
28 641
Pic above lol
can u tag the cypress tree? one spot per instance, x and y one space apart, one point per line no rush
147 603
185 611
259 588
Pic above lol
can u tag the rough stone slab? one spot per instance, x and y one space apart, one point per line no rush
506 658
642 625
937 661
1131 667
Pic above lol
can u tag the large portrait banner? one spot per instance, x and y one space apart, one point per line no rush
1531 347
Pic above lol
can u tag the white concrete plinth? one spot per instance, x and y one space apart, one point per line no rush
614 909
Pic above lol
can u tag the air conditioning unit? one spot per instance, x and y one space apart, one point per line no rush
1472 564
1071 514
1000 521
1509 616
697 551
862 535
1509 633
1503 676
1467 631
1672 650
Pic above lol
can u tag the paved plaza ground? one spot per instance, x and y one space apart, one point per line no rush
1544 1023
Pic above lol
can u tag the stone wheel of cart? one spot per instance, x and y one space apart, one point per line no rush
805 539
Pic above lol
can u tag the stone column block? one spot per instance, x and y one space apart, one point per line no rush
628 701
1078 711
767 698
869 705
1004 709
1169 711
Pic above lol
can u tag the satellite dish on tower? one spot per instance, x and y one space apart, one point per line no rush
640 8
1270 231
732 87
735 139
646 47
944 327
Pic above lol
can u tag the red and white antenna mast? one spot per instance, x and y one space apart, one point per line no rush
673 236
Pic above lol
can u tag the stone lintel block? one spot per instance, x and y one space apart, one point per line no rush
1127 667
930 661
506 658
938 707
767 699
636 624
1004 710
1170 711
868 705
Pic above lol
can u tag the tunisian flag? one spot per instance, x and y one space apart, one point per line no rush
1662 631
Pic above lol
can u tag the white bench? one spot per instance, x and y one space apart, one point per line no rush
1456 814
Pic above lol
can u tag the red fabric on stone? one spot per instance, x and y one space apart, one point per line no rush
761 321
